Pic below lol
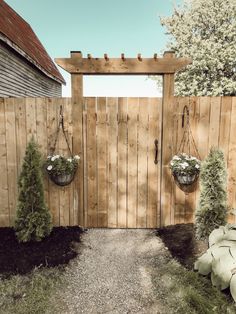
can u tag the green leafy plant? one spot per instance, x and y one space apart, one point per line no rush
212 207
185 164
220 259
33 220
59 165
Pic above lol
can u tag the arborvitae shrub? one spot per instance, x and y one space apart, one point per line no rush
33 220
212 208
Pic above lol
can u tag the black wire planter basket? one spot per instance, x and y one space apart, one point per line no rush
62 179
60 169
186 179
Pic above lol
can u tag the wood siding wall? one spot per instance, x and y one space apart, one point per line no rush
19 78
107 176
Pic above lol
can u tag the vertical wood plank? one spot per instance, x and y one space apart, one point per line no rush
30 118
214 121
203 128
153 193
52 124
91 163
122 163
133 109
64 196
225 119
20 109
142 163
112 110
11 157
179 215
102 161
231 161
77 116
167 149
4 206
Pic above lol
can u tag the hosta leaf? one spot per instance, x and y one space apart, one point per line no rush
233 287
216 236
203 264
218 251
230 235
221 269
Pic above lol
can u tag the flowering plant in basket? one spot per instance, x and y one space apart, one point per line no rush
61 169
185 168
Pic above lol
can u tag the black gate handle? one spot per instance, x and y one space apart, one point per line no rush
156 154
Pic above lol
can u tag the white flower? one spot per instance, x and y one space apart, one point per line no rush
77 157
57 156
172 163
184 165
49 157
53 158
49 167
176 158
197 166
69 159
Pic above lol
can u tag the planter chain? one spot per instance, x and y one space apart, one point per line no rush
61 126
187 138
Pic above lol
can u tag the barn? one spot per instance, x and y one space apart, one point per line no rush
26 69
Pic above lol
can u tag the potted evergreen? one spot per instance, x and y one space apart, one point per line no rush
33 219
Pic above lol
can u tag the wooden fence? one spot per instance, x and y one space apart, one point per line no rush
122 185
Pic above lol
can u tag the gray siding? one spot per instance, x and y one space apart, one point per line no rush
19 78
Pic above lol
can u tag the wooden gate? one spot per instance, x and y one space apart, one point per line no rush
121 180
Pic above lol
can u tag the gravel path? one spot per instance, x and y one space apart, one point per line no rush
113 273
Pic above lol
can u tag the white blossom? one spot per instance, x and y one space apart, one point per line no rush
184 165
49 167
205 31
69 159
77 157
197 166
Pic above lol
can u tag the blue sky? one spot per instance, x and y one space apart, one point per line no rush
98 27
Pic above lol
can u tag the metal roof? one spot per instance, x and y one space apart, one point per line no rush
18 34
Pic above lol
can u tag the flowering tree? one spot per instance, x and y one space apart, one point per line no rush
206 32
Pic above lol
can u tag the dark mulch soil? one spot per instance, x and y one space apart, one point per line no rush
180 241
21 258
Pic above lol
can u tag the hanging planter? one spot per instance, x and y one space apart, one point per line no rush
61 169
185 167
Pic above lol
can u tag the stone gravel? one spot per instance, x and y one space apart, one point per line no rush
113 273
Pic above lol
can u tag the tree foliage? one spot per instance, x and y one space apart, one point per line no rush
206 32
33 220
212 208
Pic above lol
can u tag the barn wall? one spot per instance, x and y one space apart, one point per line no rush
18 78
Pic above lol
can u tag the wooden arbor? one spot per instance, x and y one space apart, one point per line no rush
78 66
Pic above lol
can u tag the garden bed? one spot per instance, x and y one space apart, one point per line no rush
180 241
21 258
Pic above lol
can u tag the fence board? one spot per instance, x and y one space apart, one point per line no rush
122 164
153 192
132 162
112 111
102 161
4 213
91 163
142 163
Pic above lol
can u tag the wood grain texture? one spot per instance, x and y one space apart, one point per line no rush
102 162
122 163
132 171
122 66
112 111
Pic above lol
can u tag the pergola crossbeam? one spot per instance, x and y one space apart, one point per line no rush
123 66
